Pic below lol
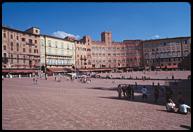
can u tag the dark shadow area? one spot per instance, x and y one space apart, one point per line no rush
137 98
103 88
163 110
183 86
184 126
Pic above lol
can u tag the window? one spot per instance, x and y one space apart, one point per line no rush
11 36
4 47
4 54
36 31
34 50
23 39
42 42
4 35
23 49
11 45
49 43
62 45
17 58
56 44
30 50
24 59
11 59
30 41
35 41
17 38
17 46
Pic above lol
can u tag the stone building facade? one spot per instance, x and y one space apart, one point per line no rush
57 52
20 50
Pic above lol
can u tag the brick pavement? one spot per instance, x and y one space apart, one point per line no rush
73 105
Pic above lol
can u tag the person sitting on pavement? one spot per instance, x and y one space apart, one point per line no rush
170 106
184 108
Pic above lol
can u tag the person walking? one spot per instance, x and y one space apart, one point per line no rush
36 79
132 92
33 80
144 92
168 93
119 91
128 91
156 93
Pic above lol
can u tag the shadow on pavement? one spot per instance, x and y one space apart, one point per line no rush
103 88
137 98
184 126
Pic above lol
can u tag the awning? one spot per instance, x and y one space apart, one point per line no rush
172 66
157 66
95 69
19 71
56 70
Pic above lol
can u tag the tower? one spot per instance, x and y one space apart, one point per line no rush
106 37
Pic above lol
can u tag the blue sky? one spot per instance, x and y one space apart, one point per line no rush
126 20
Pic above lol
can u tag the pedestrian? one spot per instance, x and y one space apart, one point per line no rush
36 79
128 91
119 90
123 88
132 92
33 79
144 92
156 93
168 93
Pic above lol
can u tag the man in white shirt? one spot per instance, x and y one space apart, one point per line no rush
144 92
183 109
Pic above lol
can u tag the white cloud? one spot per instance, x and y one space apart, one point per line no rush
62 34
155 37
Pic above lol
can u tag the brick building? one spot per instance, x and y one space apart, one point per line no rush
24 52
20 50
83 53
166 53
108 55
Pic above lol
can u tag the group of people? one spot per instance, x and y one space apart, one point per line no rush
35 79
126 91
179 107
157 92
85 79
